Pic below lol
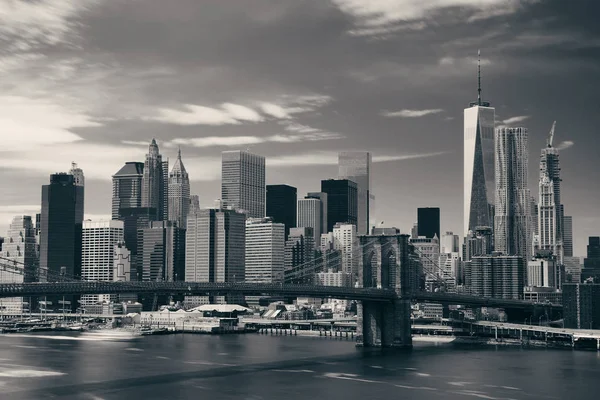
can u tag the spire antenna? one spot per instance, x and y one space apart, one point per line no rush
479 77
179 152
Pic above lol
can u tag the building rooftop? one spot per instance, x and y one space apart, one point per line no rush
131 168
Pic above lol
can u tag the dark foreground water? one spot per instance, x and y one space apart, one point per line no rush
290 368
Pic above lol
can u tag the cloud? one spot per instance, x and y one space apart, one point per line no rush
51 124
564 145
199 115
514 120
27 24
411 113
380 16
331 158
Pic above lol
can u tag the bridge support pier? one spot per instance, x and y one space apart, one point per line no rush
384 324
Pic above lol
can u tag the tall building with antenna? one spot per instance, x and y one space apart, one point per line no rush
550 211
479 178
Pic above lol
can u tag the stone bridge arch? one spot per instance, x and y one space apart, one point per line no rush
384 263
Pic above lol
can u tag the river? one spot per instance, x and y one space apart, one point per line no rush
254 367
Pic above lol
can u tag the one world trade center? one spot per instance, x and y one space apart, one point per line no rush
479 182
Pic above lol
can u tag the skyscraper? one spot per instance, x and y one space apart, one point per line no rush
568 236
449 243
243 182
356 166
591 263
265 246
309 215
161 252
342 204
281 205
61 228
299 256
479 179
215 248
99 239
428 222
549 206
346 241
19 246
155 182
512 230
135 219
497 276
323 197
179 193
194 204
127 188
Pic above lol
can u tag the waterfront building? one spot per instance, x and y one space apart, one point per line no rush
265 248
479 180
581 305
428 222
309 215
428 250
497 276
99 239
243 182
161 252
542 294
178 193
341 202
299 256
281 205
449 243
356 167
512 231
155 183
346 241
19 252
127 188
215 250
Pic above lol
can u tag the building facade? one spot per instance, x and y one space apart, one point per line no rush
300 256
581 306
20 261
497 276
346 241
99 239
342 202
265 251
243 182
60 236
215 249
449 243
282 205
179 193
512 231
127 188
310 215
161 252
567 236
428 250
356 167
155 183
542 272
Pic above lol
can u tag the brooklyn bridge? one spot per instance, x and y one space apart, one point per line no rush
387 286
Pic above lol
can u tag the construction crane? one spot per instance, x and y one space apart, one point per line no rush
551 134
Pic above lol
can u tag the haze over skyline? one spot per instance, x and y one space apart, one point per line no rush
295 81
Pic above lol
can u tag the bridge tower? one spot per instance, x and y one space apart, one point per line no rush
385 263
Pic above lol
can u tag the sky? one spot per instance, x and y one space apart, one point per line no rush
93 81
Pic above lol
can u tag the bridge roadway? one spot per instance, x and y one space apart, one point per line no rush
253 289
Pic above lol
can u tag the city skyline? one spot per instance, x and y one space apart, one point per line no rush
443 78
